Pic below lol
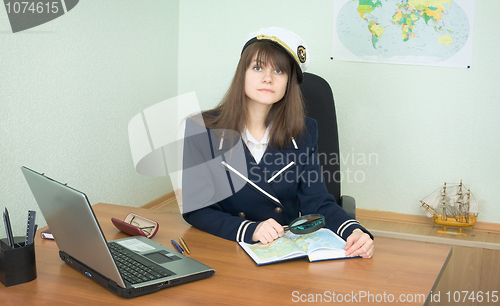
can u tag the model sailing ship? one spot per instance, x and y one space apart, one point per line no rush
451 206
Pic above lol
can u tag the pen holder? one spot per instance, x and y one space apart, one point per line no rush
17 265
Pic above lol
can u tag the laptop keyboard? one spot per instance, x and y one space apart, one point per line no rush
135 269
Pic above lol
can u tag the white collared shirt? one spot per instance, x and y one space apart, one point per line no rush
257 148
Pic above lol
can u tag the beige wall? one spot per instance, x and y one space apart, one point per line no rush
68 89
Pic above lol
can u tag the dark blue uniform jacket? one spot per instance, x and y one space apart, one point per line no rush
286 183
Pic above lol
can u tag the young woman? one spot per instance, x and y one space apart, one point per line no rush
279 144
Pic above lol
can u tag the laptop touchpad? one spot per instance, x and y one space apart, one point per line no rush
161 257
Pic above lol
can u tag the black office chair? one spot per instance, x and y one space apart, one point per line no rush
319 103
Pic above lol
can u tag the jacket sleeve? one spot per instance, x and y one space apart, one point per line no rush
315 198
213 220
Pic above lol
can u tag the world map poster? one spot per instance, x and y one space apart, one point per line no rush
414 32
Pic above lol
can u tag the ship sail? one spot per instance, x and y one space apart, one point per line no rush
432 200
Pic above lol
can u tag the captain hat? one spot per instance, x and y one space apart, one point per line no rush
289 41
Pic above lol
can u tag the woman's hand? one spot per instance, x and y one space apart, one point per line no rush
267 231
359 243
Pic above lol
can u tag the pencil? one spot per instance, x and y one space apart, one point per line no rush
184 245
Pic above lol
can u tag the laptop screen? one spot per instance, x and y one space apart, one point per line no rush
69 215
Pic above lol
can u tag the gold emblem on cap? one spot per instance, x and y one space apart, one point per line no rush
301 52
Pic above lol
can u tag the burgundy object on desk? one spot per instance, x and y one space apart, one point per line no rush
136 225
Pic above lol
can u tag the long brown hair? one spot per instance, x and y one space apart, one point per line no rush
287 115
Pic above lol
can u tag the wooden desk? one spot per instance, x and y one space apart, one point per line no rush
398 267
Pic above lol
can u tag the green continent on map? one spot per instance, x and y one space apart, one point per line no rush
407 23
286 245
366 7
377 31
367 4
277 248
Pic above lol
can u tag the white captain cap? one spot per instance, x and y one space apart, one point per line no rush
294 45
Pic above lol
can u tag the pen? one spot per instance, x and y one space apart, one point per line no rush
184 245
177 246
8 228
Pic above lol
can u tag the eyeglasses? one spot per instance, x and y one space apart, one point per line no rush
146 229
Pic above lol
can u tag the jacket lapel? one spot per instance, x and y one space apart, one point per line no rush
278 162
257 173
273 164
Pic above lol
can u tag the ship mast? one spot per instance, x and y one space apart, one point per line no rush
443 203
461 211
467 206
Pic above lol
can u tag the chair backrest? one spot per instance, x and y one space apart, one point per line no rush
320 106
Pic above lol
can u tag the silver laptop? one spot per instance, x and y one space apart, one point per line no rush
129 267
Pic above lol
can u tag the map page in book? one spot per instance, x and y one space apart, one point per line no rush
320 245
